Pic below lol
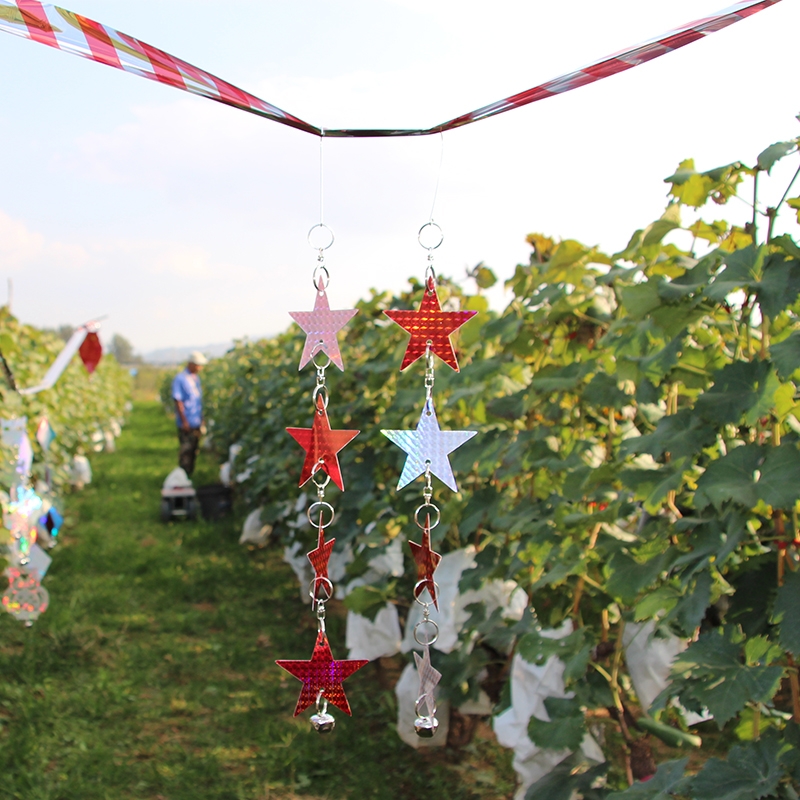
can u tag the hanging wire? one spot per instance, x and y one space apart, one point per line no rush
438 175
321 177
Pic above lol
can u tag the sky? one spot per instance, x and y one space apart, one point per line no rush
185 221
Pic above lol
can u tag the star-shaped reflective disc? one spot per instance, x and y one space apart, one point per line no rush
320 556
426 561
321 326
430 325
321 445
428 445
322 674
429 678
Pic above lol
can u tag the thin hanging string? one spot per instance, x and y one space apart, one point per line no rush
321 178
438 175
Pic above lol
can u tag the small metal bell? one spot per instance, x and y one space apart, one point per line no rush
323 722
426 727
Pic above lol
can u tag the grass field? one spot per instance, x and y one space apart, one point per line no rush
151 675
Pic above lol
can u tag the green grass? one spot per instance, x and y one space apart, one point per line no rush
152 673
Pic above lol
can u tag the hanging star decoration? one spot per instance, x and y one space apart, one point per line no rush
321 326
429 678
321 445
319 558
428 447
322 674
430 326
427 561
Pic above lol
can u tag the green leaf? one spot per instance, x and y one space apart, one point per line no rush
786 355
730 478
484 277
641 298
787 244
574 650
752 771
774 153
602 392
681 434
567 780
627 577
692 607
564 731
743 268
779 286
667 781
712 672
737 387
777 485
786 612
554 379
366 600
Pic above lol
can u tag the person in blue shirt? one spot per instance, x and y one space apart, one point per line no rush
188 396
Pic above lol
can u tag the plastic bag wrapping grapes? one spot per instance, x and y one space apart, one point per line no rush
649 659
531 685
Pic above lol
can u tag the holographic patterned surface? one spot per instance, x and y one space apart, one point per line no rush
45 434
427 561
428 445
430 325
319 558
73 33
321 445
321 326
429 678
322 674
25 598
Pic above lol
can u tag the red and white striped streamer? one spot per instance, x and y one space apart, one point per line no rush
72 33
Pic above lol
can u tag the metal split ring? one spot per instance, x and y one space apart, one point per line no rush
321 389
429 701
421 586
318 348
312 589
318 235
430 641
433 233
321 506
430 526
321 278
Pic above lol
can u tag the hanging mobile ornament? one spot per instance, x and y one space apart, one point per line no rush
322 676
427 448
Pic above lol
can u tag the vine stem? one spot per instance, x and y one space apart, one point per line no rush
576 603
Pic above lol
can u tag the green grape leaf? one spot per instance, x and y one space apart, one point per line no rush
743 268
774 153
667 782
712 672
752 771
786 612
681 434
564 731
737 388
786 355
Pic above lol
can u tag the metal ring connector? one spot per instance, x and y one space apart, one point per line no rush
429 701
321 506
431 233
312 589
432 639
422 586
320 236
430 525
318 348
321 389
321 278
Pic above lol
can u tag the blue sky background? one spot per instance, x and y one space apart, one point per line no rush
186 221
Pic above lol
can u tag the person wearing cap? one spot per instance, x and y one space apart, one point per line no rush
188 396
